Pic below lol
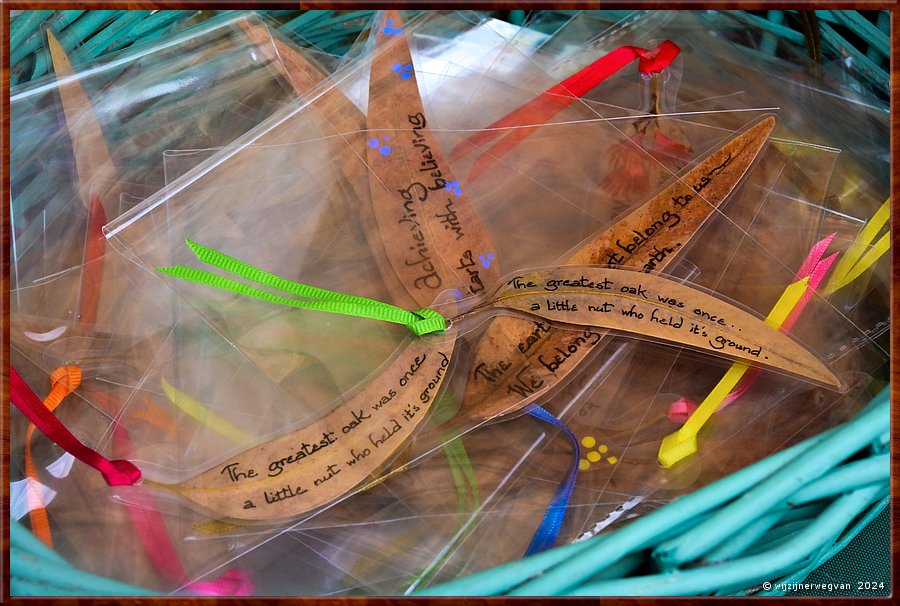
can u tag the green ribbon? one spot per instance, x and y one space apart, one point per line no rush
420 322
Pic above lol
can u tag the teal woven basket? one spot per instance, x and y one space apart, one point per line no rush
860 38
753 532
763 530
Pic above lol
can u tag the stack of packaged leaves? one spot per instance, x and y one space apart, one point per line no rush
475 290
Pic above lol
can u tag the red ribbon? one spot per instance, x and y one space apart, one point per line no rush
539 110
92 270
116 472
658 59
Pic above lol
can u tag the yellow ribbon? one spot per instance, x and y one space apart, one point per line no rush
683 443
858 259
204 415
852 264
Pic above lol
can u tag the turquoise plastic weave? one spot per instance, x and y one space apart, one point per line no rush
773 522
35 569
741 543
860 38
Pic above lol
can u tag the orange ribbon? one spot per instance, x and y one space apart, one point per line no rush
64 380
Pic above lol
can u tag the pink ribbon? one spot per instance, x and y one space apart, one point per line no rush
232 582
815 268
151 528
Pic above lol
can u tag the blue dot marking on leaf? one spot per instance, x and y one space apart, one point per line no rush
405 71
391 31
454 187
486 259
384 150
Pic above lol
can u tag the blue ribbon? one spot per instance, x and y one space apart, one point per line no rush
546 534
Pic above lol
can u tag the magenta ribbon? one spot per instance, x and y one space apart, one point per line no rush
232 582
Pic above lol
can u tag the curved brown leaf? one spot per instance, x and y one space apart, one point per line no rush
649 238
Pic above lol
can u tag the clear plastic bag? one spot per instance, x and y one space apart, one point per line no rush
308 195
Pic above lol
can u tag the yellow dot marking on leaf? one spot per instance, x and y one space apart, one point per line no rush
594 456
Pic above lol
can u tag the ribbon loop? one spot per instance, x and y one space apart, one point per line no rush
63 381
658 59
429 321
119 472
